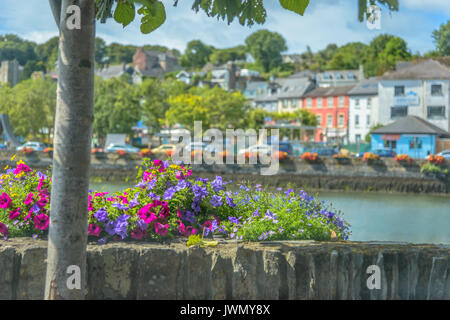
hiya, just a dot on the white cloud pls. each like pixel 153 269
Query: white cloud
pixel 324 22
pixel 437 6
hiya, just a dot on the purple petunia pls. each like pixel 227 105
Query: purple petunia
pixel 101 215
pixel 119 206
pixel 110 228
pixel 216 201
pixel 168 195
pixel 217 184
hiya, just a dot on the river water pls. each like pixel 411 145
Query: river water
pixel 381 217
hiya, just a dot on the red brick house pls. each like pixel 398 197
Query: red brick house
pixel 330 105
pixel 153 63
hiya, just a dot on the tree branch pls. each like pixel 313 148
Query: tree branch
pixel 55 5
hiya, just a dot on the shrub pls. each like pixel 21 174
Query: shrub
pixel 167 202
pixel 310 157
pixel 430 167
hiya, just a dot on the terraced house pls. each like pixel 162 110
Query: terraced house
pixel 420 89
pixel 331 106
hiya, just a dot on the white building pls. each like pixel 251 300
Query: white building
pixel 419 90
pixel 363 109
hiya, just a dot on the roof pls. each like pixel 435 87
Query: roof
pixel 412 125
pixel 365 88
pixel 329 91
pixel 255 85
pixel 339 75
pixel 112 71
pixel 429 69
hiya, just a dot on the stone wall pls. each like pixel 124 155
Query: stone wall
pixel 272 270
pixel 385 176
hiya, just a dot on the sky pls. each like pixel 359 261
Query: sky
pixel 324 22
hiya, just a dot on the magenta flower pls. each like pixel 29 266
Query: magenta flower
pixel 29 198
pixel 41 222
pixel 43 201
pixel 5 201
pixel 14 214
pixel 3 230
pixel 94 230
pixel 161 229
pixel 41 180
pixel 21 167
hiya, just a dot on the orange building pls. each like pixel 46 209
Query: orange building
pixel 331 106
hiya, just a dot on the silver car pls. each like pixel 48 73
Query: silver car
pixel 122 147
pixel 445 154
pixel 36 146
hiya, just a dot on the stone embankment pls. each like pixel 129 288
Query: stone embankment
pixel 272 270
pixel 329 174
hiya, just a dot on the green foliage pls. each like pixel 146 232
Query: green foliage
pixel 196 54
pixel 368 137
pixel 266 47
pixel 441 38
pixel 430 168
pixel 31 107
pixel 215 107
pixel 349 56
pixel 222 56
pixel 396 50
pixel 116 107
pixel 13 47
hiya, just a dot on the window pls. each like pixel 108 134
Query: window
pixel 341 120
pixel 319 102
pixel 391 144
pixel 436 112
pixel 341 101
pixel 329 121
pixel 357 103
pixel 398 112
pixel 284 103
pixel 399 91
pixel 356 120
pixel 330 102
pixel 369 102
pixel 415 144
pixel 368 120
pixel 308 103
pixel 436 90
pixel 319 120
pixel 294 103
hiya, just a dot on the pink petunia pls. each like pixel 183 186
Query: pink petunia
pixel 41 222
pixel 14 214
pixel 138 234
pixel 21 167
pixel 5 201
pixel 94 230
pixel 29 199
pixel 161 229
pixel 41 180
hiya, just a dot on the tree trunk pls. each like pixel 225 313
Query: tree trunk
pixel 71 158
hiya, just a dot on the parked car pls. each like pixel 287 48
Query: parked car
pixel 258 148
pixel 3 147
pixel 164 150
pixel 122 147
pixel 385 153
pixel 195 146
pixel 36 146
pixel 445 154
pixel 323 152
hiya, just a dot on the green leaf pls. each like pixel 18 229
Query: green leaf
pixel 297 6
pixel 154 17
pixel 125 13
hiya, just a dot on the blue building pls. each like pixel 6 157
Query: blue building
pixel 410 135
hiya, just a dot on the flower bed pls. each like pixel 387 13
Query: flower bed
pixel 437 160
pixel 167 202
pixel 370 157
pixel 310 157
pixel 403 159
pixel 145 153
